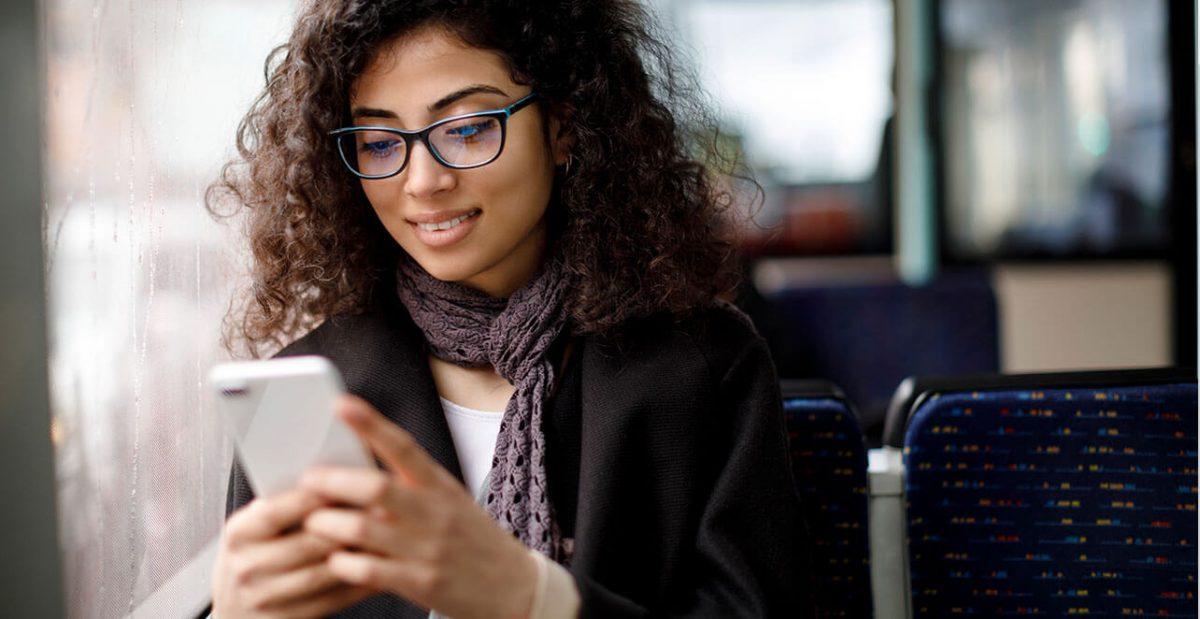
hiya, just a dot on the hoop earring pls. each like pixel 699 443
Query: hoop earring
pixel 567 165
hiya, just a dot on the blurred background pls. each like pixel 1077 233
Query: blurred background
pixel 960 185
pixel 950 186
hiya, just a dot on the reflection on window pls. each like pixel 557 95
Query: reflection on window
pixel 803 88
pixel 1056 126
pixel 142 100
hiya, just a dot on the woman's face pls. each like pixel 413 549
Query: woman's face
pixel 430 75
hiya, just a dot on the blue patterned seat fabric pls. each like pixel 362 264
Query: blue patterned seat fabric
pixel 829 462
pixel 1054 503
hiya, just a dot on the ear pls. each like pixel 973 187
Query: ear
pixel 562 140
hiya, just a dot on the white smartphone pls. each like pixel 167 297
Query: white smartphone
pixel 280 414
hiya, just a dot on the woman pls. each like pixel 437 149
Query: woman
pixel 487 210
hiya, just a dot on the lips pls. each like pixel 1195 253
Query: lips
pixel 439 217
pixel 446 228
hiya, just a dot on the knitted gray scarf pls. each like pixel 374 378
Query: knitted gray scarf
pixel 469 328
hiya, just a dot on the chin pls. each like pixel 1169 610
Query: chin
pixel 448 268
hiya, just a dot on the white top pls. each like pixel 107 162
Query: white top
pixel 474 433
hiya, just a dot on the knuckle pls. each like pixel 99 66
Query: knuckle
pixel 360 529
pixel 235 528
pixel 445 525
pixel 228 541
pixel 313 579
pixel 429 583
pixel 371 575
pixel 269 515
pixel 242 572
pixel 318 546
pixel 406 446
pixel 259 512
pixel 378 487
pixel 258 601
pixel 439 550
pixel 307 500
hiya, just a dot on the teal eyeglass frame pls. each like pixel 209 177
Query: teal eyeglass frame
pixel 422 135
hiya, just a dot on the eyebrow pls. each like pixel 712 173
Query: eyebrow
pixel 434 107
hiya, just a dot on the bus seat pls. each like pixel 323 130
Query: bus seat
pixel 829 462
pixel 1052 494
pixel 867 336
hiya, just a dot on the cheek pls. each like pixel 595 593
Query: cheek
pixel 520 202
pixel 384 198
pixel 520 186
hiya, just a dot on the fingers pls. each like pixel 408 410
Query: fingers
pixel 288 552
pixel 359 487
pixel 289 587
pixel 397 448
pixel 290 593
pixel 356 529
pixel 408 579
pixel 362 488
pixel 267 517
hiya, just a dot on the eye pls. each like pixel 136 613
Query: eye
pixel 379 148
pixel 471 132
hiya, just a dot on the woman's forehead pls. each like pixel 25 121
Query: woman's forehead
pixel 411 73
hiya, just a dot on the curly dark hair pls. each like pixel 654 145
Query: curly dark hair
pixel 643 214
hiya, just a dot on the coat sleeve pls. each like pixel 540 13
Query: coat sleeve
pixel 239 492
pixel 751 554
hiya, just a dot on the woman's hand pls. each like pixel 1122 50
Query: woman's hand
pixel 415 530
pixel 264 569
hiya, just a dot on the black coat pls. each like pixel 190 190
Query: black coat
pixel 666 461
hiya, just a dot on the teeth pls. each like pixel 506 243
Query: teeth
pixel 446 225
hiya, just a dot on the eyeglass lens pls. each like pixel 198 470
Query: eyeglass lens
pixel 461 143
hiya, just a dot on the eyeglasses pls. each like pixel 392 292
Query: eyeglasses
pixel 459 142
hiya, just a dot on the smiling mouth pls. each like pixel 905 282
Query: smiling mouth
pixel 449 223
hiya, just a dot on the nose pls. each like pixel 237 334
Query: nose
pixel 424 175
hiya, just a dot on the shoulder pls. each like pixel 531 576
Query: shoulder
pixel 346 333
pixel 726 337
pixel 718 336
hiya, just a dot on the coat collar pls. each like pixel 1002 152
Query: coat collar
pixel 389 368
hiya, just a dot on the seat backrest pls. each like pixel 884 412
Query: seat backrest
pixel 1034 498
pixel 829 463
pixel 866 337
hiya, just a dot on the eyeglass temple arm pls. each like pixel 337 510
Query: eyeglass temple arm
pixel 520 103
